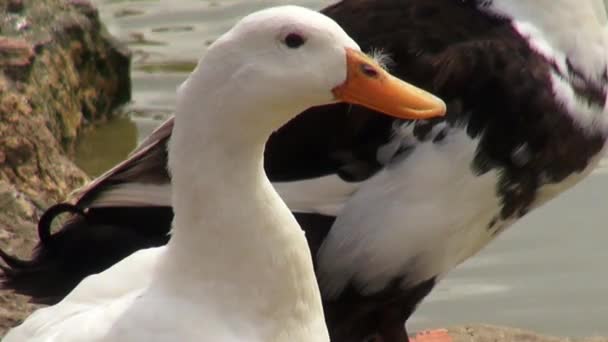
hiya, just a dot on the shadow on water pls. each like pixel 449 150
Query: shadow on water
pixel 103 146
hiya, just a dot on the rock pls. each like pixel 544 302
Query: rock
pixel 488 333
pixel 59 70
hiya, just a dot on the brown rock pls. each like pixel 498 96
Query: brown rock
pixel 489 333
pixel 59 70
pixel 15 52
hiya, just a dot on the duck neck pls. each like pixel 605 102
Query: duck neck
pixel 234 242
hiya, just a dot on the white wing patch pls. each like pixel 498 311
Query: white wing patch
pixel 88 312
pixel 589 118
pixel 325 195
pixel 134 195
pixel 566 31
pixel 572 28
pixel 419 217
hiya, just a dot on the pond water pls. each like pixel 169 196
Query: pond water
pixel 548 273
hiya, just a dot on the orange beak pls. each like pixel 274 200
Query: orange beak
pixel 368 85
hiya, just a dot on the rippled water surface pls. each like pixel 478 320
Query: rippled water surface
pixel 548 273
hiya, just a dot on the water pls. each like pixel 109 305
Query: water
pixel 548 273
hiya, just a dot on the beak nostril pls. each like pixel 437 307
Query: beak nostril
pixel 368 85
pixel 369 70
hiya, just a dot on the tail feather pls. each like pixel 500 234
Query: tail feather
pixel 87 243
pixel 12 262
pixel 46 221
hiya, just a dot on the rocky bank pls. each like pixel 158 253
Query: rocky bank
pixel 59 71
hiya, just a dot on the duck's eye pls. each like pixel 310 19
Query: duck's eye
pixel 294 40
pixel 369 71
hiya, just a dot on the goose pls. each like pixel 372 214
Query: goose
pixel 238 267
pixel 389 206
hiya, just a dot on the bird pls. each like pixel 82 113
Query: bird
pixel 389 206
pixel 238 267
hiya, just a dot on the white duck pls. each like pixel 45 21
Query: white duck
pixel 252 279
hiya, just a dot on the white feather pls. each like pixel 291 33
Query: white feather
pixel 419 218
pixel 566 31
pixel 411 218
pixel 134 195
pixel 92 305
pixel 588 116
pixel 571 27
pixel 324 195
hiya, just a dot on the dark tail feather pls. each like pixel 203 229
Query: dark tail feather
pixel 44 232
pixel 87 243
pixel 46 221
pixel 16 273
pixel 12 262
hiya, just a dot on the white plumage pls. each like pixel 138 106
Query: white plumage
pixel 253 278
